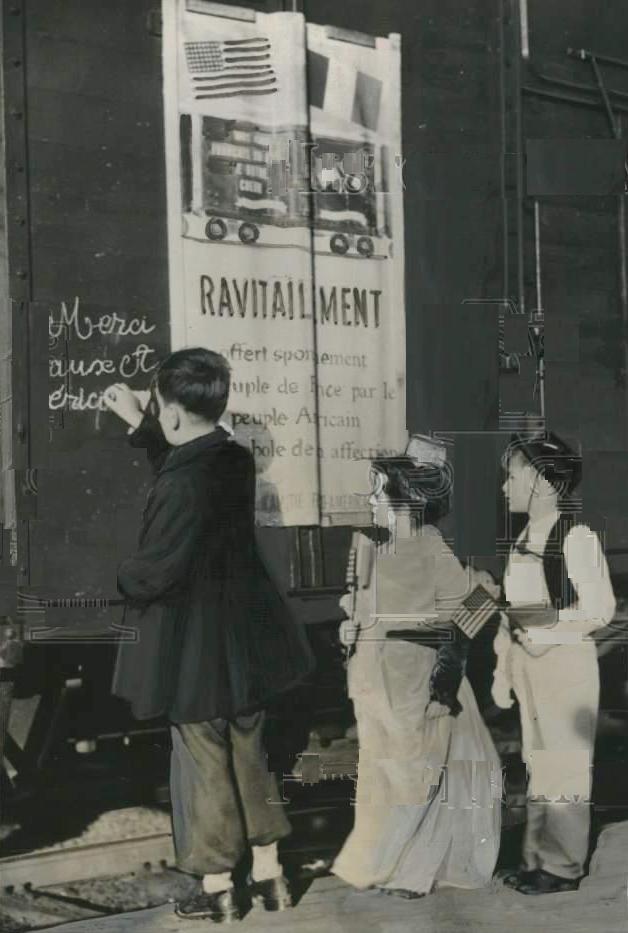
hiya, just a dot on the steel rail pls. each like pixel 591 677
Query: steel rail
pixel 97 860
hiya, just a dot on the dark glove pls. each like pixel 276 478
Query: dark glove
pixel 448 671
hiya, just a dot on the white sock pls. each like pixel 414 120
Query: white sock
pixel 212 884
pixel 266 864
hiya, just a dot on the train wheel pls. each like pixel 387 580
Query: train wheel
pixel 365 247
pixel 248 233
pixel 339 244
pixel 216 229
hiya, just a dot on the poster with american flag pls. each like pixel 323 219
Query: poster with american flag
pixel 281 253
pixel 236 123
pixel 249 70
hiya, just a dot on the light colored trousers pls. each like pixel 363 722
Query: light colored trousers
pixel 558 695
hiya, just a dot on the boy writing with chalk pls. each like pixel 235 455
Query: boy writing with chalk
pixel 215 640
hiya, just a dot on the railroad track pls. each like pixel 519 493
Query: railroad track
pixel 46 888
pixel 79 863
pixel 43 889
pixel 34 908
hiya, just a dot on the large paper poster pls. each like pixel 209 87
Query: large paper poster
pixel 354 93
pixel 284 199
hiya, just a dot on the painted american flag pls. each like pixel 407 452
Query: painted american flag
pixel 231 68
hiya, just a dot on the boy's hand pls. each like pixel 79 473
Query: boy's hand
pixel 485 579
pixel 124 403
pixel 347 633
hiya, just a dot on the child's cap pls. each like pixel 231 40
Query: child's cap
pixel 425 449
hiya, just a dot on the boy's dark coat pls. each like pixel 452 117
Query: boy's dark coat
pixel 215 638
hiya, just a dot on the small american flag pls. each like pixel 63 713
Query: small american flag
pixel 475 611
pixel 230 68
pixel 352 577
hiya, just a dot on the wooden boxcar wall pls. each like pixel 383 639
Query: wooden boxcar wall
pixel 95 210
pixel 94 165
pixel 96 214
pixel 586 338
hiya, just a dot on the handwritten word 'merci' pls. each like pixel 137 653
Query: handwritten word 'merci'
pixel 84 326
pixel 258 298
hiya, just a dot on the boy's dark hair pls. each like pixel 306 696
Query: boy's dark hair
pixel 426 487
pixel 550 456
pixel 198 380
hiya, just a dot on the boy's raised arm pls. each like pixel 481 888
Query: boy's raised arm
pixel 144 428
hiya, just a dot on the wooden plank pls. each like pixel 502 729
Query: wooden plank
pixel 113 280
pixel 444 113
pixel 576 23
pixel 134 125
pixel 429 22
pixel 589 267
pixel 85 241
pixel 118 25
pixel 101 175
pixel 140 211
pixel 466 172
pixel 551 118
pixel 571 227
pixel 588 305
pixel 85 69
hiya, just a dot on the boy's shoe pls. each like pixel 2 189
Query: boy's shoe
pixel 221 907
pixel 545 883
pixel 516 878
pixel 274 894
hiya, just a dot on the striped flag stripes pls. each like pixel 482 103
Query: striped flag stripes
pixel 231 68
pixel 475 612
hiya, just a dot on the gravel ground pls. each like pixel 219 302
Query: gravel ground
pixel 127 823
pixel 130 892
pixel 94 898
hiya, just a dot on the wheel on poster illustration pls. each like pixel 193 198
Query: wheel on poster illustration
pixel 216 229
pixel 339 244
pixel 365 246
pixel 248 233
